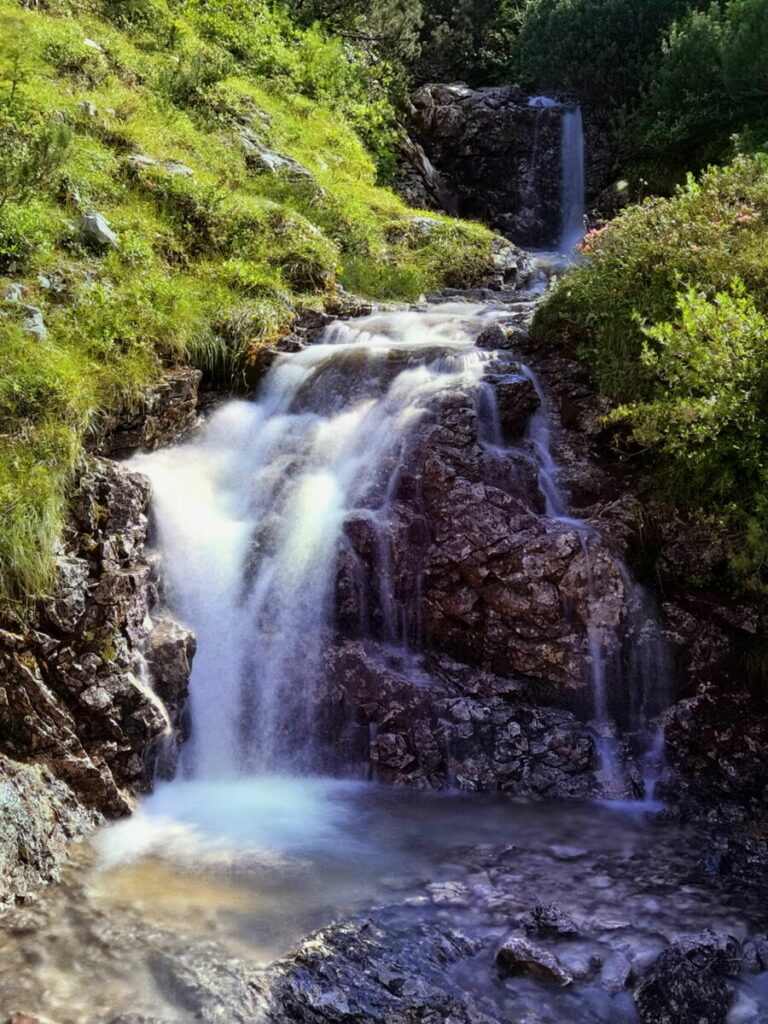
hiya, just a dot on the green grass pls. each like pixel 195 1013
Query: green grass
pixel 210 266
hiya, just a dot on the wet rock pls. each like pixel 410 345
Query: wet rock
pixel 517 956
pixel 686 983
pixel 166 415
pixel 355 973
pixel 550 921
pixel 516 402
pixel 493 337
pixel 73 705
pixel 39 817
pixel 435 722
pixel 95 231
pixel 616 972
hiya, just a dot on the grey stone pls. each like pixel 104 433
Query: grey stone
pixel 34 322
pixel 517 956
pixel 96 231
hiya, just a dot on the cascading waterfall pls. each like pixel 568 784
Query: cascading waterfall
pixel 572 182
pixel 250 521
pixel 639 653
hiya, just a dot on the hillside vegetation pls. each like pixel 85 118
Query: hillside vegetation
pixel 669 310
pixel 225 150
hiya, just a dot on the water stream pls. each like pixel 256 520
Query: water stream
pixel 247 846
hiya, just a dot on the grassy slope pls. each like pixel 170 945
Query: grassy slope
pixel 209 266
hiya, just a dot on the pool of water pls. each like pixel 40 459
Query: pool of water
pixel 260 863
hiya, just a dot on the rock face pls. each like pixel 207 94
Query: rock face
pixel 166 416
pixel 432 723
pixel 77 708
pixel 477 571
pixel 498 157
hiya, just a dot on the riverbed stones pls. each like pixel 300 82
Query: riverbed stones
pixel 518 956
pixel 686 984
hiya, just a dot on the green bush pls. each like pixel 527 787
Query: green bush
pixel 669 310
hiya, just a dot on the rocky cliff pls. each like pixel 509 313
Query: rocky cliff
pixel 93 677
pixel 490 154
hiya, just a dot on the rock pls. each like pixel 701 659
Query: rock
pixel 177 169
pixel 76 717
pixel 88 108
pixel 550 921
pixel 166 415
pixel 262 159
pixel 493 337
pixel 517 956
pixel 34 323
pixel 95 231
pixel 481 142
pixel 39 817
pixel 516 401
pixel 686 983
pixel 616 972
pixel 92 45
pixel 441 723
pixel 356 973
pixel 14 293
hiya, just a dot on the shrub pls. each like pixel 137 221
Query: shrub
pixel 668 310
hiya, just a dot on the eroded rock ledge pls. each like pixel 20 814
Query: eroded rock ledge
pixel 93 681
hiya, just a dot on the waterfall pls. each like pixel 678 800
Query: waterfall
pixel 572 181
pixel 639 652
pixel 250 519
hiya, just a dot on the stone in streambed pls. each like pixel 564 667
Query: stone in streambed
pixel 686 983
pixel 493 338
pixel 519 956
pixel 550 921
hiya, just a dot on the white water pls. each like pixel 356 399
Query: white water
pixel 572 187
pixel 250 520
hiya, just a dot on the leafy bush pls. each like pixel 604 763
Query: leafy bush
pixel 669 310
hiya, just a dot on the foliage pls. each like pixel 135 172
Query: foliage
pixel 596 49
pixel 144 110
pixel 670 311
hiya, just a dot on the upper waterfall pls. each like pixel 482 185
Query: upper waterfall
pixel 573 188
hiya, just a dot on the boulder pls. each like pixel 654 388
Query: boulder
pixel 550 921
pixel 686 984
pixel 95 231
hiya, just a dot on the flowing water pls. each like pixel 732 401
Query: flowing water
pixel 246 846
pixel 573 189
